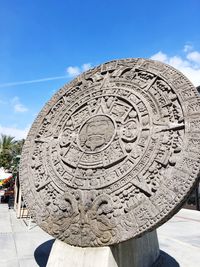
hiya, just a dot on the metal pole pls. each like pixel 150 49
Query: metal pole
pixel 29 222
pixel 19 203
pixel 197 196
pixel 15 193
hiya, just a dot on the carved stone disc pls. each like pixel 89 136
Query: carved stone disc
pixel 113 154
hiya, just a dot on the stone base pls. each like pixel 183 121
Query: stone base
pixel 140 252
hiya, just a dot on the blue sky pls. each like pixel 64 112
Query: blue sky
pixel 44 44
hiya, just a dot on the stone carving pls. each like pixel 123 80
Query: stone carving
pixel 113 154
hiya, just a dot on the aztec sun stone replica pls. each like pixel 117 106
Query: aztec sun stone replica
pixel 113 154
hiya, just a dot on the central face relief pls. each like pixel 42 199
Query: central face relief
pixel 96 133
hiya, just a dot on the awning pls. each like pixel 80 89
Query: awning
pixel 4 175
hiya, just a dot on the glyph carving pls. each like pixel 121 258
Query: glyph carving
pixel 113 153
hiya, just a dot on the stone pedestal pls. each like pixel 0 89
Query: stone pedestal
pixel 140 252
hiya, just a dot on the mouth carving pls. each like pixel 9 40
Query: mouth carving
pixel 95 141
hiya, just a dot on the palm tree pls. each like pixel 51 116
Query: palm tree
pixel 7 144
pixel 16 151
pixel 17 147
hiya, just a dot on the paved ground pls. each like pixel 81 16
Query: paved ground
pixel 18 245
pixel 180 238
pixel 23 247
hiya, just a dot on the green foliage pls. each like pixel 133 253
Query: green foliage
pixel 10 149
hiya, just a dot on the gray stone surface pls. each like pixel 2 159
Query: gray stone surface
pixel 113 154
pixel 20 247
pixel 139 252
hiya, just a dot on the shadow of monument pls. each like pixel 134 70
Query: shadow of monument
pixel 165 260
pixel 42 252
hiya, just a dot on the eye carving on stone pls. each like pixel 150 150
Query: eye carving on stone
pixel 129 131
pixel 66 137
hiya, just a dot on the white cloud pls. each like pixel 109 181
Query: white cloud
pixel 73 71
pixel 187 48
pixel 15 132
pixel 188 64
pixel 86 66
pixel 18 107
pixel 160 56
pixel 194 56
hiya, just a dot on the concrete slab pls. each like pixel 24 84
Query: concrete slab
pixel 27 262
pixel 130 253
pixel 17 224
pixel 5 224
pixel 9 263
pixel 27 242
pixel 180 237
pixel 20 247
pixel 7 247
pixel 17 243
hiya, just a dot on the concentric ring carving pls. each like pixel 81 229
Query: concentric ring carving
pixel 113 154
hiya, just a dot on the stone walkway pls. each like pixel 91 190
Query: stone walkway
pixel 180 238
pixel 21 247
pixel 18 245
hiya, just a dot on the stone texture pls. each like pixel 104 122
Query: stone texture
pixel 127 254
pixel 113 154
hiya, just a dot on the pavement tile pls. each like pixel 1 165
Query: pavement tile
pixel 7 246
pixel 29 262
pixel 5 224
pixel 180 238
pixel 185 254
pixel 11 263
pixel 27 242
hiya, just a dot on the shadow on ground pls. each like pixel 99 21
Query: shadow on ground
pixel 42 252
pixel 165 260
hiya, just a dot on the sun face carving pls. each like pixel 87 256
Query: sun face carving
pixel 104 137
pixel 96 133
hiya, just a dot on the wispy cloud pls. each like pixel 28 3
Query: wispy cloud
pixel 194 56
pixel 33 81
pixel 20 108
pixel 17 105
pixel 73 71
pixel 188 64
pixel 15 132
pixel 86 66
pixel 187 48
